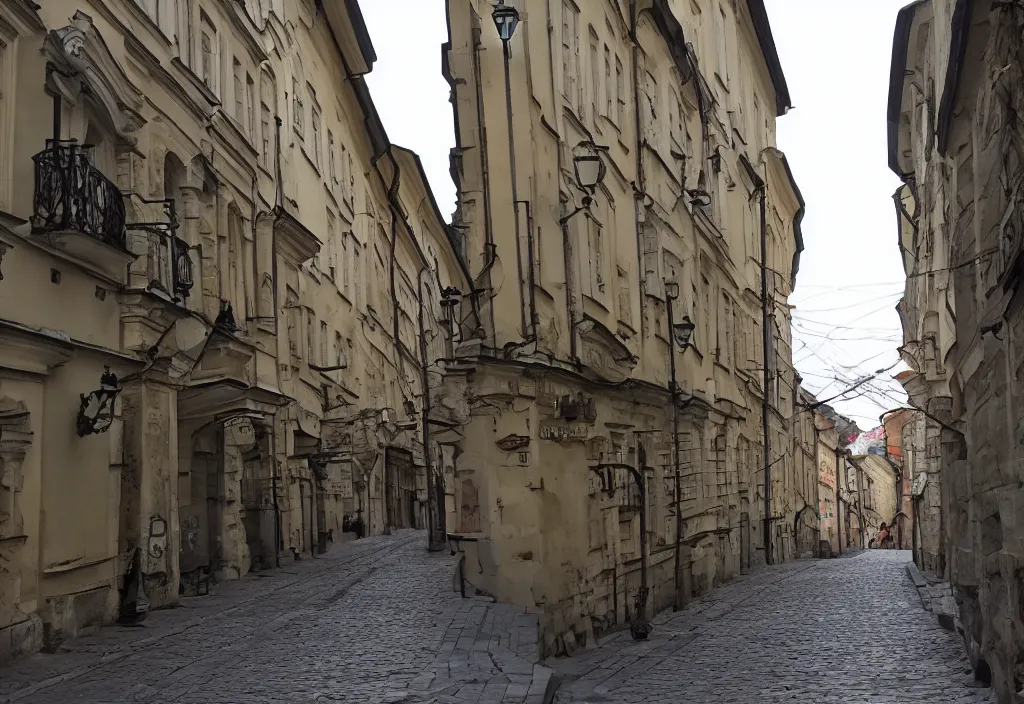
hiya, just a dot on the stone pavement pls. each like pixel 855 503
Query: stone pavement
pixel 850 631
pixel 377 620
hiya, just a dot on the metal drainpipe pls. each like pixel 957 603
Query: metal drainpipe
pixel 765 345
pixel 674 391
pixel 639 186
pixel 839 523
pixel 435 505
pixel 273 488
pixel 490 250
pixel 506 54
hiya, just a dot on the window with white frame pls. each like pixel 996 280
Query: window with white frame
pixel 332 159
pixel 571 83
pixel 250 107
pixel 298 110
pixel 7 74
pixel 620 93
pixel 237 89
pixel 609 85
pixel 315 111
pixel 595 77
pixel 208 52
pixel 267 125
pixel 345 276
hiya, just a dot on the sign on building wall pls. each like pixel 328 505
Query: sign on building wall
pixel 564 432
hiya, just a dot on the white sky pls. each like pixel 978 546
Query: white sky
pixel 835 54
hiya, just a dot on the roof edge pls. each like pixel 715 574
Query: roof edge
pixel 763 30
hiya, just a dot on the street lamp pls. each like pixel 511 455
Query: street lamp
pixel 506 19
pixel 590 171
pixel 96 412
pixel 683 332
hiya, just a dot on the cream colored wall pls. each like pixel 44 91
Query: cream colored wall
pixel 73 493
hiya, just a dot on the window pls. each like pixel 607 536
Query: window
pixel 722 42
pixel 250 106
pixel 298 110
pixel 620 93
pixel 236 87
pixel 339 350
pixel 571 87
pixel 596 243
pixel 6 115
pixel 351 181
pixel 323 344
pixel 316 126
pixel 609 87
pixel 310 335
pixel 331 159
pixel 356 264
pixel 344 263
pixel 208 52
pixel 595 78
pixel 724 351
pixel 267 124
pixel 331 243
pixel 344 172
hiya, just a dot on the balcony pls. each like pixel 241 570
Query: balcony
pixel 77 210
pixel 164 265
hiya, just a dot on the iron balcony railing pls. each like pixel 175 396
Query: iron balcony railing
pixel 167 262
pixel 72 195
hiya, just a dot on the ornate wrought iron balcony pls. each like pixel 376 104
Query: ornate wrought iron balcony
pixel 164 257
pixel 72 195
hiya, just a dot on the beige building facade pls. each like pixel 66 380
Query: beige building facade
pixel 591 483
pixel 198 198
pixel 955 101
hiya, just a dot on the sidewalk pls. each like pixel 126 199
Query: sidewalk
pixel 377 620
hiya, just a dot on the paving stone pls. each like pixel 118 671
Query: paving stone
pixel 372 621
pixel 850 630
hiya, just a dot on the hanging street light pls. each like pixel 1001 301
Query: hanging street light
pixel 589 166
pixel 683 332
pixel 590 171
pixel 96 413
pixel 506 19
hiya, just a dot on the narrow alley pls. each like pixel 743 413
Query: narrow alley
pixel 380 620
pixel 846 630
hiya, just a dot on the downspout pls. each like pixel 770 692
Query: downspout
pixel 860 502
pixel 506 54
pixel 393 207
pixel 765 350
pixel 489 247
pixel 840 459
pixel 279 207
pixel 273 488
pixel 639 186
pixel 570 283
pixel 674 392
pixel 435 508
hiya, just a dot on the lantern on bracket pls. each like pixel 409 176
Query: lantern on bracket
pixel 506 19
pixel 96 412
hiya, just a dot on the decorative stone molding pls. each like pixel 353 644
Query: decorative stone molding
pixel 15 439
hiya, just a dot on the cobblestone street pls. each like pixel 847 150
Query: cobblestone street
pixel 847 630
pixel 378 620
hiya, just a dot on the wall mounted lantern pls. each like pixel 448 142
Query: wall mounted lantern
pixel 590 171
pixel 506 19
pixel 671 290
pixel 590 168
pixel 699 197
pixel 97 410
pixel 683 332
